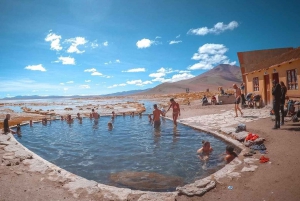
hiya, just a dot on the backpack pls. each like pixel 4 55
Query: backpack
pixel 298 113
pixel 295 118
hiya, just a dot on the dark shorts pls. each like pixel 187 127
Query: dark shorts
pixel 156 124
pixel 237 101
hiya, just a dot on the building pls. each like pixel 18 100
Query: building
pixel 259 68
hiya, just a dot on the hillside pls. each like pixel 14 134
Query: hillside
pixel 222 75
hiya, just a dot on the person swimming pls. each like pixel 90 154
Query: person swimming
pixel 205 150
pixel 110 125
pixel 230 154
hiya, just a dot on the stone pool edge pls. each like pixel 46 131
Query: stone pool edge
pixel 78 185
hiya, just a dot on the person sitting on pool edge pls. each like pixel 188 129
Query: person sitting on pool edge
pixel 156 116
pixel 230 154
pixel 113 114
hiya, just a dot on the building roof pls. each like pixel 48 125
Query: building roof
pixel 286 57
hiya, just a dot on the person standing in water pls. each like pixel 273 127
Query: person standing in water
pixel 176 110
pixel 95 114
pixel 156 116
pixel 237 100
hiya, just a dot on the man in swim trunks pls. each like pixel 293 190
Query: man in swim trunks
pixel 156 116
pixel 238 94
pixel 95 115
pixel 176 110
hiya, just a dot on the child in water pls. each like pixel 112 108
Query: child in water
pixel 110 125
pixel 230 154
pixel 18 130
pixel 150 118
pixel 205 150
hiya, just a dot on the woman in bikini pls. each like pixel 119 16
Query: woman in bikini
pixel 176 110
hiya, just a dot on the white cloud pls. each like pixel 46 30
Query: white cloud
pixel 35 67
pixel 90 70
pixel 138 82
pixel 157 37
pixel 84 86
pixel 65 89
pixel 118 61
pixel 166 70
pixel 157 75
pixel 55 41
pixel 160 74
pixel 87 80
pixel 117 85
pixel 218 28
pixel 97 73
pixel 184 71
pixel 94 44
pixel 135 70
pixel 175 42
pixel 178 36
pixel 106 63
pixel 74 43
pixel 182 76
pixel 70 82
pixel 62 83
pixel 144 43
pixel 66 60
pixel 105 43
pixel 94 72
pixel 210 55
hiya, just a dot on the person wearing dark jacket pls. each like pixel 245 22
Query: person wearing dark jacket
pixel 6 128
pixel 282 100
pixel 276 92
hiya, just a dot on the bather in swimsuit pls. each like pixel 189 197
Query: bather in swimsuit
pixel 156 124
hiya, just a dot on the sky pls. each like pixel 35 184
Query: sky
pixel 95 47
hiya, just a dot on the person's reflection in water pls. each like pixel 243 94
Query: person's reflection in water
pixel 95 125
pixel 157 135
pixel 175 135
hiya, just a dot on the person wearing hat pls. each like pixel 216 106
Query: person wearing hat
pixel 276 92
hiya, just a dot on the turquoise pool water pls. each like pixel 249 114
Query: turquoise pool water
pixel 128 155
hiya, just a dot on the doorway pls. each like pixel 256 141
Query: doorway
pixel 267 89
pixel 275 77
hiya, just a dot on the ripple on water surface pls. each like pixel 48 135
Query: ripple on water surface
pixel 132 155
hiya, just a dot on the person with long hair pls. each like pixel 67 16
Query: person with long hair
pixel 176 110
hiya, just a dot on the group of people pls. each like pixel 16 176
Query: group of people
pixel 7 129
pixel 206 150
pixel 279 96
pixel 157 113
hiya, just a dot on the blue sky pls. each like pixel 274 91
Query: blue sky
pixel 92 47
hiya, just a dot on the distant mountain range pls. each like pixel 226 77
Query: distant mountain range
pixel 222 75
pixel 123 93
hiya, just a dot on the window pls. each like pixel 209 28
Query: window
pixel 292 82
pixel 255 84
